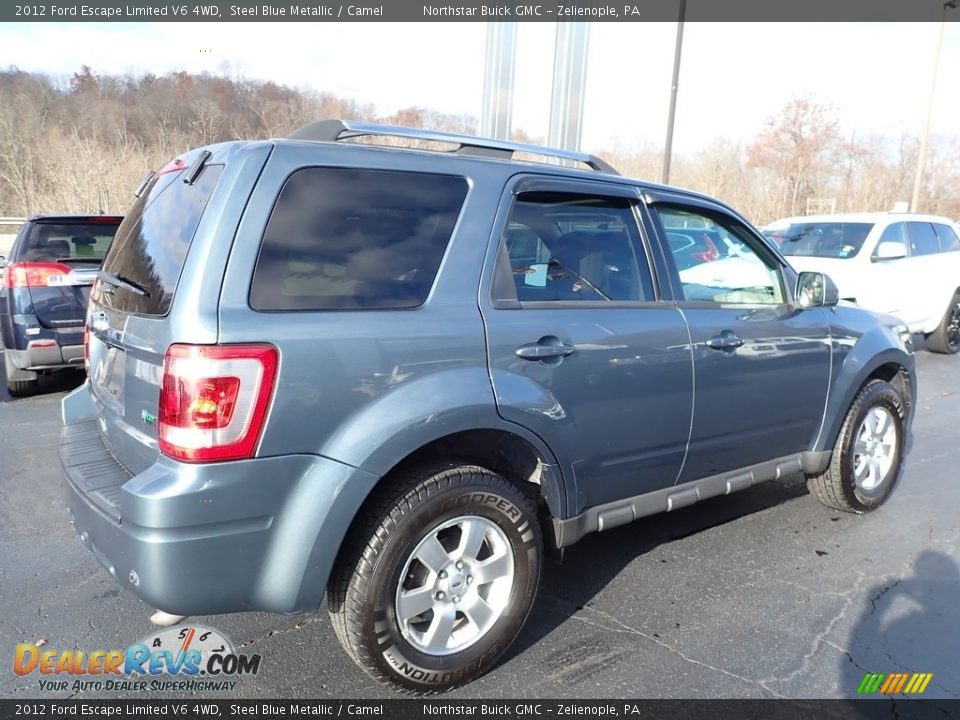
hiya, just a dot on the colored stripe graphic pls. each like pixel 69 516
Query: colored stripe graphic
pixel 890 682
pixel 906 683
pixel 870 683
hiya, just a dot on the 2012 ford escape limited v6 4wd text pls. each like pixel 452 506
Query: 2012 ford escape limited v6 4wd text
pixel 395 377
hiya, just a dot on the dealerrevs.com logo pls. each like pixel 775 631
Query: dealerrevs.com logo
pixel 186 658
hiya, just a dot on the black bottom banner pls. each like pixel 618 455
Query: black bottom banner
pixel 408 709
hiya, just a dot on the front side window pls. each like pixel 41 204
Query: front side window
pixel 348 239
pixel 923 241
pixel 574 247
pixel 896 233
pixel 730 271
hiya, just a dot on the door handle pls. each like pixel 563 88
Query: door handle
pixel 543 351
pixel 725 341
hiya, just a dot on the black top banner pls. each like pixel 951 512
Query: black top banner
pixel 467 11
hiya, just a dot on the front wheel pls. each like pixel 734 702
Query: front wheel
pixel 946 338
pixel 868 454
pixel 438 581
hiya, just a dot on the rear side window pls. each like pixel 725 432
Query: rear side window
pixel 572 247
pixel 947 237
pixel 67 241
pixel 347 239
pixel 151 244
pixel 922 239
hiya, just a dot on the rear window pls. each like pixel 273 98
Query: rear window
pixel 949 241
pixel 151 245
pixel 341 239
pixel 67 241
pixel 827 240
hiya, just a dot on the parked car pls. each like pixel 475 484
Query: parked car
pixel 47 277
pixel 398 377
pixel 906 265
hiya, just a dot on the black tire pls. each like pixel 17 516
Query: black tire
pixel 21 388
pixel 837 487
pixel 363 589
pixel 17 388
pixel 946 338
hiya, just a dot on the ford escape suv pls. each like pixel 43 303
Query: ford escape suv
pixel 43 301
pixel 395 377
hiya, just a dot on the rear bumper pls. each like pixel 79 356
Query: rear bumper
pixel 40 355
pixel 30 348
pixel 194 539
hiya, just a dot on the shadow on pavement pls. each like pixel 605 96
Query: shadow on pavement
pixel 590 565
pixel 909 626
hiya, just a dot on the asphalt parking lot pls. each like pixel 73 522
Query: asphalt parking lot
pixel 760 594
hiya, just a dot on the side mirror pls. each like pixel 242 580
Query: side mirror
pixel 890 250
pixel 3 261
pixel 816 289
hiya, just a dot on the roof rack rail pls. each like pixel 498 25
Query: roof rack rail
pixel 333 130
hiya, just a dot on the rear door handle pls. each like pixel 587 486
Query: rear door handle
pixel 543 351
pixel 726 340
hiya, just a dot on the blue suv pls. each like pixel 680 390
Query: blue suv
pixel 396 377
pixel 47 277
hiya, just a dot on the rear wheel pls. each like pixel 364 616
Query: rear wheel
pixel 438 581
pixel 18 388
pixel 868 455
pixel 946 338
pixel 22 388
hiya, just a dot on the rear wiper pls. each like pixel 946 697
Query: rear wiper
pixel 121 281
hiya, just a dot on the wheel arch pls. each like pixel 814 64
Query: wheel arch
pixel 514 453
pixel 893 366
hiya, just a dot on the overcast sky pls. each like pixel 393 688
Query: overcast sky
pixel 733 75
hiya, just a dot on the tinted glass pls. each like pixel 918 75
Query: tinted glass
pixel 151 244
pixel 923 241
pixel 66 242
pixel 895 233
pixel 827 239
pixel 947 237
pixel 565 246
pixel 343 239
pixel 731 271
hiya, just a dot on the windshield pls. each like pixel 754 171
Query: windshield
pixel 825 239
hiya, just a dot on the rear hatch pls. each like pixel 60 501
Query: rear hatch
pixel 58 259
pixel 130 323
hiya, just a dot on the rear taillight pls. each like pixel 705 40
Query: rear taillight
pixel 35 274
pixel 214 400
pixel 711 253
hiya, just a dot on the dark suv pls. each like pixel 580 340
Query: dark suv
pixel 52 264
pixel 395 377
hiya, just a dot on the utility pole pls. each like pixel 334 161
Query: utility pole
pixel 668 150
pixel 925 132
